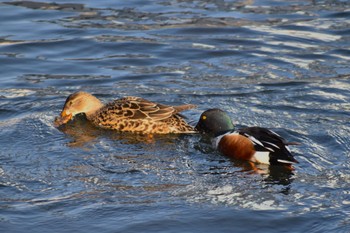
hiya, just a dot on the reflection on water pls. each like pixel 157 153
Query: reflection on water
pixel 283 65
pixel 83 133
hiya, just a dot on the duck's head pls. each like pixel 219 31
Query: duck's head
pixel 79 102
pixel 215 122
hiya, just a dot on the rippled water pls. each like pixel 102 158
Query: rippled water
pixel 278 64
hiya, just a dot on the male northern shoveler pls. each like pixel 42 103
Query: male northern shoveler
pixel 254 144
pixel 130 114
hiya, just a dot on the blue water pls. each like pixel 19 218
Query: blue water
pixel 284 65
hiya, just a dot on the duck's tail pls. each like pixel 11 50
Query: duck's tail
pixel 292 143
pixel 184 107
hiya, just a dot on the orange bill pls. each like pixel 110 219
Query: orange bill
pixel 63 119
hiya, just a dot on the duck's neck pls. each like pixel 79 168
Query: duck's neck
pixel 223 132
pixel 94 106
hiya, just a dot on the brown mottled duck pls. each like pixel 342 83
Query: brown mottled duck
pixel 128 114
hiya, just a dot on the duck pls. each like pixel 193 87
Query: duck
pixel 127 114
pixel 255 144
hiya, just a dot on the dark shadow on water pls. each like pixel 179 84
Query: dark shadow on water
pixel 280 175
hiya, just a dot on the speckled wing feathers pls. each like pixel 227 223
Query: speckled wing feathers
pixel 154 111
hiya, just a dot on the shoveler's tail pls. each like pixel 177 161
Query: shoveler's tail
pixel 292 143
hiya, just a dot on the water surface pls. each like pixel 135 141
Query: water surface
pixel 277 64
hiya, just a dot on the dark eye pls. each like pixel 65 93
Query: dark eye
pixel 70 102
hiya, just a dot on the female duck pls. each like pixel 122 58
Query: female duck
pixel 255 144
pixel 130 114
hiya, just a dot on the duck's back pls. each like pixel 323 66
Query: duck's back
pixel 134 114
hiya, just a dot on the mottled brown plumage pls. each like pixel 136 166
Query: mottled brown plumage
pixel 131 114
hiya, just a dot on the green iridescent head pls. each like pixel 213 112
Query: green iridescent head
pixel 215 122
